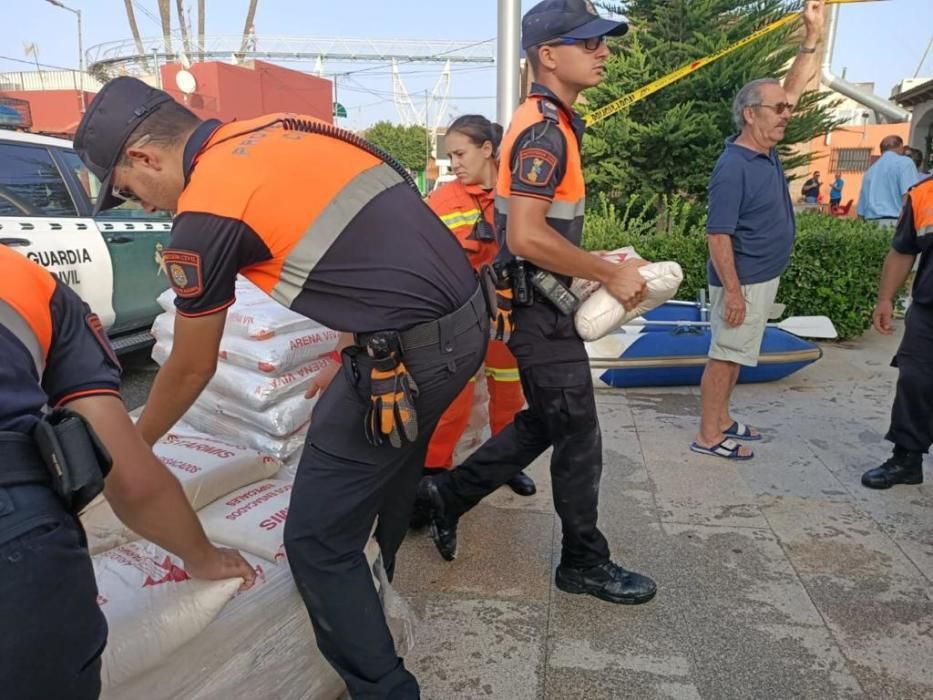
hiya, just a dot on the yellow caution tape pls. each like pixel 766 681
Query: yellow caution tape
pixel 686 69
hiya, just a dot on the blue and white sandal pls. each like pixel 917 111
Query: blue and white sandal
pixel 727 449
pixel 741 431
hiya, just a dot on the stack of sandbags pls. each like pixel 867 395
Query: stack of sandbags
pixel 268 356
pixel 206 467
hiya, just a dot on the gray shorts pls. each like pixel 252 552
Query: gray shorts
pixel 741 344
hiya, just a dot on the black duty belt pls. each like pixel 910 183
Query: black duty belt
pixel 21 459
pixel 437 332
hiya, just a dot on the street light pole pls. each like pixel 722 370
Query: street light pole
pixel 80 48
pixel 507 59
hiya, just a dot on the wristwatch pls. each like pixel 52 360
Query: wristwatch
pixel 804 49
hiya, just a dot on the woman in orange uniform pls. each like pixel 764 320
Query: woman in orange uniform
pixel 466 205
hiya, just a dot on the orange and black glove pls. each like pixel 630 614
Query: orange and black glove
pixel 391 413
pixel 502 326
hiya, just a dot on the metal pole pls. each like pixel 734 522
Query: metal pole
pixel 81 61
pixel 507 59
pixel 158 71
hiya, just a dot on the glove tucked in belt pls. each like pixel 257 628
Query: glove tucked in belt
pixel 391 413
pixel 502 326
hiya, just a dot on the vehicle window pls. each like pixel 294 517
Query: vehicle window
pixel 31 184
pixel 91 185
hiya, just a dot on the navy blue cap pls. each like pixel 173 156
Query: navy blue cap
pixel 574 19
pixel 121 105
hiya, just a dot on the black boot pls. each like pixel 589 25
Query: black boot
pixel 902 467
pixel 522 484
pixel 420 512
pixel 443 529
pixel 609 582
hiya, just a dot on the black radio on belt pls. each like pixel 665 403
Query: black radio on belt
pixel 555 291
pixel 522 294
pixel 526 279
pixel 76 460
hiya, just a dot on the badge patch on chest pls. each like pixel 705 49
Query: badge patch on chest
pixel 184 271
pixel 536 167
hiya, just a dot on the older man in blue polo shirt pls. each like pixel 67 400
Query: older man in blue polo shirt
pixel 751 232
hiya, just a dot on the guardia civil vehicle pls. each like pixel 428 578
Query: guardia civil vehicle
pixel 113 260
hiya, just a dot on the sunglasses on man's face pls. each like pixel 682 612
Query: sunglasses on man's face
pixel 589 44
pixel 779 108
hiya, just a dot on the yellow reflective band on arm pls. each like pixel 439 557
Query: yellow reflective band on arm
pixel 502 375
pixel 457 219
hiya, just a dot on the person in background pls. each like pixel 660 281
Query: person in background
pixel 835 191
pixel 885 184
pixel 916 156
pixel 467 206
pixel 811 189
pixel 751 232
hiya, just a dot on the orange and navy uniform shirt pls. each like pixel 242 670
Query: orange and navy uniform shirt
pixel 322 226
pixel 540 157
pixel 54 349
pixel 914 236
pixel 461 207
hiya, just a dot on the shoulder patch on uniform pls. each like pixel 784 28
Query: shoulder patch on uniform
pixel 184 271
pixel 536 166
pixel 549 110
pixel 97 329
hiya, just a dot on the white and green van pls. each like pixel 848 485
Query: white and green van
pixel 113 260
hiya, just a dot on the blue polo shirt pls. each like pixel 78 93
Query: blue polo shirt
pixel 749 200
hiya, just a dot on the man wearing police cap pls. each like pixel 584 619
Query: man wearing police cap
pixel 539 207
pixel 334 229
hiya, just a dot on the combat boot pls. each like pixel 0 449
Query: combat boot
pixel 522 484
pixel 608 581
pixel 902 467
pixel 443 528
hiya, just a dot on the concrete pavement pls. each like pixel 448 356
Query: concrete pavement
pixel 781 577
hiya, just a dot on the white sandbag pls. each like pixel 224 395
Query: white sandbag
pixel 152 607
pixel 255 390
pixel 232 428
pixel 279 419
pixel 206 467
pixel 602 313
pixel 584 289
pixel 275 355
pixel 251 519
pixel 254 314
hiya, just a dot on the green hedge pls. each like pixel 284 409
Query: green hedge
pixel 834 269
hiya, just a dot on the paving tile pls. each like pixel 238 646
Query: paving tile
pixel 697 489
pixel 875 601
pixel 470 648
pixel 501 554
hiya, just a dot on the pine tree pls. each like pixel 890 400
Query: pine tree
pixel 668 143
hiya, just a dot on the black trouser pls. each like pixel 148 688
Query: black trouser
pixel 342 484
pixel 912 412
pixel 52 632
pixel 558 386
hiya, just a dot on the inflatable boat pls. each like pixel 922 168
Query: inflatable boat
pixel 657 351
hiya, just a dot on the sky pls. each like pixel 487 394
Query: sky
pixel 880 42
